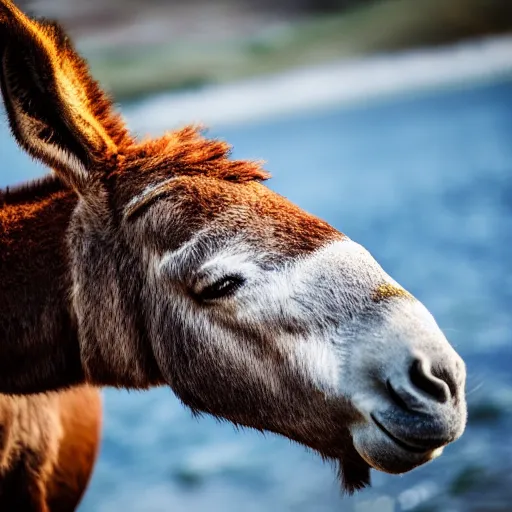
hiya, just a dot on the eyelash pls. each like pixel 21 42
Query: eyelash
pixel 222 288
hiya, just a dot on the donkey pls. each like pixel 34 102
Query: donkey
pixel 181 268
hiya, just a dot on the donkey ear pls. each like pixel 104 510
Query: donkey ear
pixel 56 111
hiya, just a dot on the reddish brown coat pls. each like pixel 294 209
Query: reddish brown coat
pixel 48 448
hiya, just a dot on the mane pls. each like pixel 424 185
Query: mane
pixel 184 152
pixel 187 152
pixel 31 191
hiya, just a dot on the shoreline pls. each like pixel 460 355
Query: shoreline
pixel 346 82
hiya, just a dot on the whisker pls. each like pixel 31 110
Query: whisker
pixel 475 388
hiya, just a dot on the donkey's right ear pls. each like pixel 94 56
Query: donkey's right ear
pixel 56 111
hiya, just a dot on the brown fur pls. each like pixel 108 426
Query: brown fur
pixel 80 415
pixel 50 442
pixel 33 267
pixel 48 445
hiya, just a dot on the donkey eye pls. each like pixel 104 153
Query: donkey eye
pixel 222 288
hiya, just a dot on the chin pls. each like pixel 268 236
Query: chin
pixel 384 453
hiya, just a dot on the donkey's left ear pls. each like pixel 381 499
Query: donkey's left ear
pixel 56 111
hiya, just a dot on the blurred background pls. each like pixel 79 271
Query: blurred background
pixel 392 120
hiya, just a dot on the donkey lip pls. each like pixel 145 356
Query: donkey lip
pixel 402 444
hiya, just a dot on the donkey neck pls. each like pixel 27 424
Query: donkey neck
pixel 39 349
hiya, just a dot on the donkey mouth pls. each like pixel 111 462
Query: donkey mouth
pixel 405 445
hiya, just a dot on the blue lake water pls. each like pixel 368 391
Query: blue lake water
pixel 425 183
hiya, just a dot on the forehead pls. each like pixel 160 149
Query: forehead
pixel 222 210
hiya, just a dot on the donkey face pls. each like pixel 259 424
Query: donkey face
pixel 265 315
pixel 188 271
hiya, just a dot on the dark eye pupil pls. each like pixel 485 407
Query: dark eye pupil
pixel 222 288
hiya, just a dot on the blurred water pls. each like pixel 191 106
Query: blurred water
pixel 425 183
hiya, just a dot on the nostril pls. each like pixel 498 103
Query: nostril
pixel 424 380
pixel 448 377
pixel 396 397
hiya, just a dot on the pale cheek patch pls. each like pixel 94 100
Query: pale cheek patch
pixel 317 360
pixel 332 282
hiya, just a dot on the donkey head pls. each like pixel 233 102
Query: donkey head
pixel 188 271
